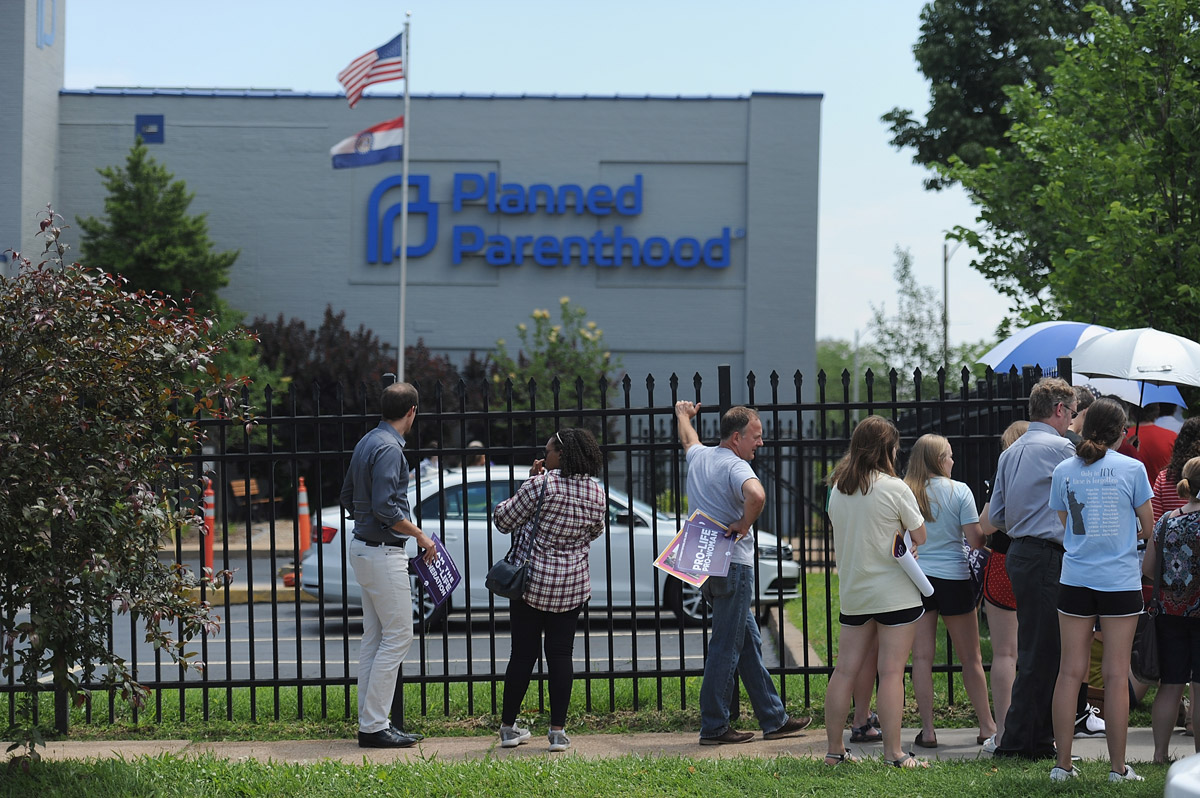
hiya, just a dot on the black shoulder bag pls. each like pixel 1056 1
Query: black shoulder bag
pixel 507 577
pixel 1143 659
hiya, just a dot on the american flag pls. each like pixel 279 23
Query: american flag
pixel 376 66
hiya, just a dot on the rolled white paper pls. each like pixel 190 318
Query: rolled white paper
pixel 902 551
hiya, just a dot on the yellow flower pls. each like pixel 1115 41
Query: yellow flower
pixel 607 355
pixel 591 325
pixel 564 300
pixel 495 378
pixel 522 327
pixel 499 342
pixel 556 328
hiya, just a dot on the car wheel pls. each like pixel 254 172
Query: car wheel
pixel 686 601
pixel 426 616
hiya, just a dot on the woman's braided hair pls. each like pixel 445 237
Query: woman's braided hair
pixel 579 454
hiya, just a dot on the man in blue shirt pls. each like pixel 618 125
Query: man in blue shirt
pixel 376 492
pixel 1020 505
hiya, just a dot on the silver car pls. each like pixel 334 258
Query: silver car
pixel 458 508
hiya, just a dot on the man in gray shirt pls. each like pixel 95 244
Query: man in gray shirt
pixel 376 492
pixel 1020 505
pixel 722 485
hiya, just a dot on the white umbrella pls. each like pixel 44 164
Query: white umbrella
pixel 1133 391
pixel 1143 354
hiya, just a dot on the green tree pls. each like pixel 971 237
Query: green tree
pixel 1112 157
pixel 838 357
pixel 149 238
pixel 970 50
pixel 911 339
pixel 92 424
pixel 571 350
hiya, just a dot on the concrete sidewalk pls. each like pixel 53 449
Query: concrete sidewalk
pixel 953 744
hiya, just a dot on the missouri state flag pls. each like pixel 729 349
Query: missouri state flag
pixel 383 142
pixel 374 66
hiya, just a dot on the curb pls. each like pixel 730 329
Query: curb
pixel 246 595
pixel 794 650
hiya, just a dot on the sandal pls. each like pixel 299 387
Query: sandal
pixel 845 756
pixel 923 743
pixel 865 733
pixel 909 761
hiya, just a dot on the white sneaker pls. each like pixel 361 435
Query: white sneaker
pixel 512 736
pixel 1128 775
pixel 990 745
pixel 559 741
pixel 1060 774
pixel 1089 724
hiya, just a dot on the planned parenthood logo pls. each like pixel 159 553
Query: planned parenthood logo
pixel 610 206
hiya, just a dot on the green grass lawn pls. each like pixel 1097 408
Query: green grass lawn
pixel 555 777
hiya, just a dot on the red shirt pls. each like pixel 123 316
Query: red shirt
pixel 1155 445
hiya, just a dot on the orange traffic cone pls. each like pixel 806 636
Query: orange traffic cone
pixel 210 522
pixel 303 523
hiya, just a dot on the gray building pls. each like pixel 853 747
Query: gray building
pixel 687 227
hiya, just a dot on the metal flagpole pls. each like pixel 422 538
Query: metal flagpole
pixel 404 207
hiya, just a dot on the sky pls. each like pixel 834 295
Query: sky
pixel 858 55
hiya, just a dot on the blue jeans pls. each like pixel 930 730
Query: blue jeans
pixel 735 647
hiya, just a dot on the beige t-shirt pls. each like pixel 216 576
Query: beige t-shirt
pixel 870 579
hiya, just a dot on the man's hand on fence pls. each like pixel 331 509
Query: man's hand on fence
pixel 686 409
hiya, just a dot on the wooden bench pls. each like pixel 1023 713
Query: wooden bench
pixel 247 494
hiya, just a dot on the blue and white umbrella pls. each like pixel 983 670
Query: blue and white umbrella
pixel 1041 344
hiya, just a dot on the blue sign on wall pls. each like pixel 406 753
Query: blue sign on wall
pixel 604 248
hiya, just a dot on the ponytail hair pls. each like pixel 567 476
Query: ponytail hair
pixel 1103 428
pixel 1188 486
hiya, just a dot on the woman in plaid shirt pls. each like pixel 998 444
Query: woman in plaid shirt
pixel 559 583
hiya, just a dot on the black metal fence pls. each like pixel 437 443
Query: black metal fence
pixel 291 644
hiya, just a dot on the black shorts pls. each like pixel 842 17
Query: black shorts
pixel 893 618
pixel 1178 648
pixel 950 596
pixel 1084 602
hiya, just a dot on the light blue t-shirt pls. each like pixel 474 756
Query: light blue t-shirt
pixel 714 486
pixel 953 507
pixel 1101 534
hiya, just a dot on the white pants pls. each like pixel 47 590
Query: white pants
pixel 382 573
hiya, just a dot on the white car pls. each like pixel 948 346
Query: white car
pixel 459 511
